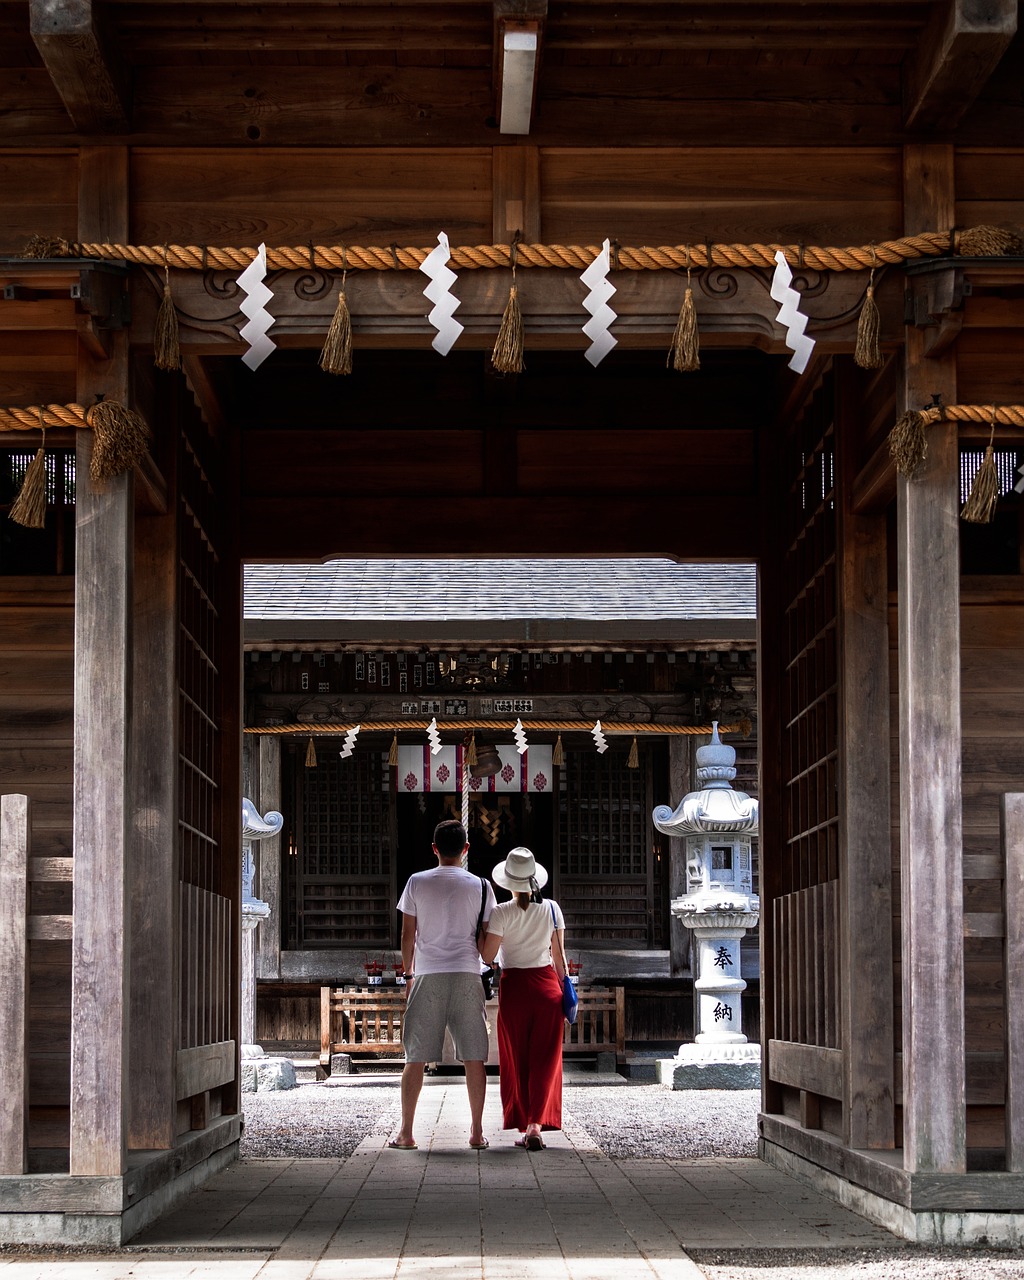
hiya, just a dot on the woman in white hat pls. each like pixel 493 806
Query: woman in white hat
pixel 528 937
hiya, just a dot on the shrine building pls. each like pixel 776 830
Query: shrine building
pixel 681 285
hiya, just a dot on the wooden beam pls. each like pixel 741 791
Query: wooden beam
pixel 515 185
pixel 1012 823
pixel 865 852
pixel 276 529
pixel 102 760
pixel 957 54
pixel 930 802
pixel 91 81
pixel 518 32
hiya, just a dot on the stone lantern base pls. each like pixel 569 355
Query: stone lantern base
pixel 712 1066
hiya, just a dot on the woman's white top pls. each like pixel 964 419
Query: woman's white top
pixel 525 935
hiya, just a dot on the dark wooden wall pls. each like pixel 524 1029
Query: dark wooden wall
pixel 36 716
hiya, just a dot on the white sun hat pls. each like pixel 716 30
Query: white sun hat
pixel 517 871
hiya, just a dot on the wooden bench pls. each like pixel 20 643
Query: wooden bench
pixel 358 1021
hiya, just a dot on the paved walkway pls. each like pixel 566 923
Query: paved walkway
pixel 446 1212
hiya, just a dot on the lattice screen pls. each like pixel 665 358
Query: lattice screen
pixel 603 823
pixel 198 678
pixel 345 816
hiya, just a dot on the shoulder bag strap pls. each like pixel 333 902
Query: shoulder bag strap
pixel 554 930
pixel 483 903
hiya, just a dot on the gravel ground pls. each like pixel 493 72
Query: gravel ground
pixel 637 1121
pixel 901 1263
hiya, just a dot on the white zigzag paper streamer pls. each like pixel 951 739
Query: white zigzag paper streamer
pixel 255 307
pixel 350 742
pixel 600 741
pixel 441 280
pixel 1019 486
pixel 434 735
pixel 790 314
pixel 596 302
pixel 519 733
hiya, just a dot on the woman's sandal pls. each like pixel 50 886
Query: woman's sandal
pixel 534 1142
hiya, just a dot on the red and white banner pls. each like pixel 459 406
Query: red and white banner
pixel 418 770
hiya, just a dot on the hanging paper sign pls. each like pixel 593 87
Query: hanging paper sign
pixel 600 741
pixel 596 302
pixel 438 292
pixel 790 314
pixel 254 306
pixel 419 771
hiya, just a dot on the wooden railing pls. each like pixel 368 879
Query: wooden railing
pixel 805 979
pixel 370 1022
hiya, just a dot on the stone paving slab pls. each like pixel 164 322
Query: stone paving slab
pixel 446 1212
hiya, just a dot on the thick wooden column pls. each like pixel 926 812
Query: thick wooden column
pixel 865 846
pixel 931 843
pixel 154 867
pixel 102 784
pixel 267 751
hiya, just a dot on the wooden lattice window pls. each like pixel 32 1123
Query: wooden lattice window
pixel 339 875
pixel 603 815
pixel 198 680
pixel 612 887
pixel 810 728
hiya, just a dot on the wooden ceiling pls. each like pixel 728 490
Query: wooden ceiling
pixel 715 72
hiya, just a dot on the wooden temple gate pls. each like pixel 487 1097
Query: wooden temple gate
pixel 892 677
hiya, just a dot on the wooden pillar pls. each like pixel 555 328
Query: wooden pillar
pixel 931 843
pixel 15 834
pixel 267 751
pixel 154 997
pixel 865 846
pixel 679 758
pixel 103 602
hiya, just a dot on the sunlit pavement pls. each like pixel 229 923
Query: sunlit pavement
pixel 449 1212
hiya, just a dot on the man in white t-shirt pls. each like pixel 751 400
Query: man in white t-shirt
pixel 440 910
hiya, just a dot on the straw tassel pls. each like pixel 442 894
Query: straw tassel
pixel 907 444
pixel 393 753
pixel 867 353
pixel 558 755
pixel 980 507
pixel 336 356
pixel 989 242
pixel 311 755
pixel 684 353
pixel 634 757
pixel 471 751
pixel 121 438
pixel 29 508
pixel 507 356
pixel 166 350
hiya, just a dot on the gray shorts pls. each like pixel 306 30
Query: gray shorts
pixel 439 1000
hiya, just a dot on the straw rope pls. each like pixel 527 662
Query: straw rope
pixel 1007 415
pixel 49 415
pixel 743 727
pixel 394 258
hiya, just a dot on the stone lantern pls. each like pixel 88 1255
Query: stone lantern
pixel 717 824
pixel 259 1071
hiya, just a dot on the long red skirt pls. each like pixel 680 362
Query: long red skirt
pixel 530 1024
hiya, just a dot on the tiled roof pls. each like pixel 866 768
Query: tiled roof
pixel 437 590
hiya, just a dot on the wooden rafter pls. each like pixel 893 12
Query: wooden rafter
pixel 961 46
pixel 518 33
pixel 90 79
